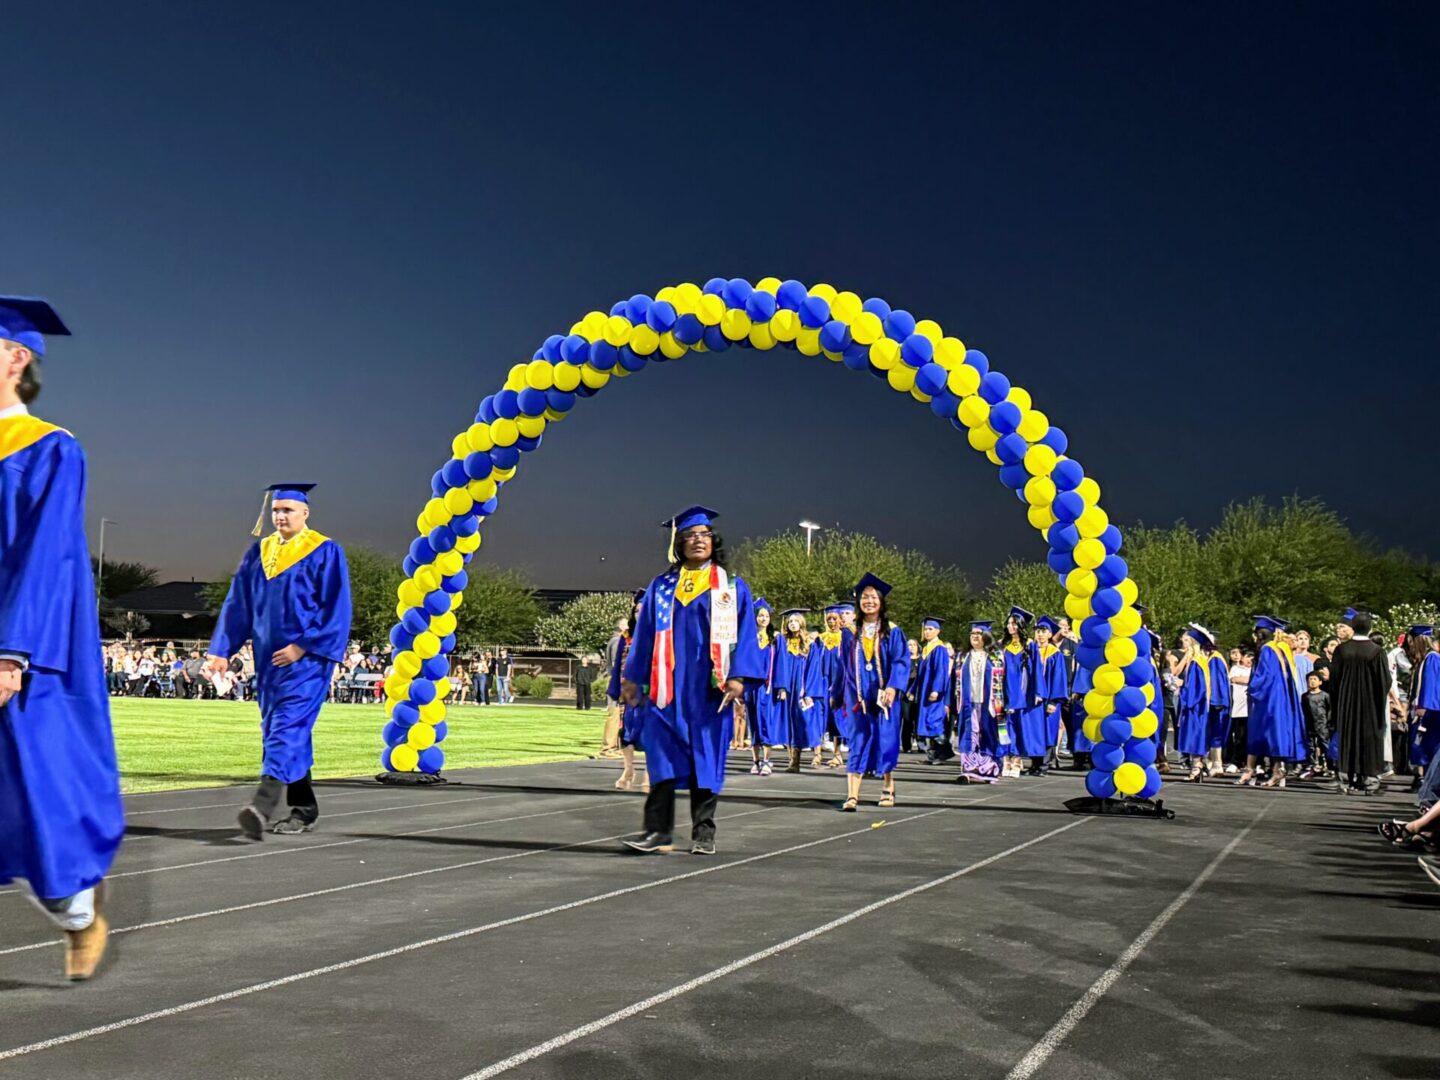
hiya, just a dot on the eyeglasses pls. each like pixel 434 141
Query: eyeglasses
pixel 699 534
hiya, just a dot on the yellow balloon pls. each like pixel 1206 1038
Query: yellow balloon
pixel 426 646
pixel 644 341
pixel 920 395
pixel 404 758
pixel 1040 517
pixel 885 354
pixel 427 578
pixel 1092 522
pixel 531 426
pixel 1129 592
pixel 1089 553
pixel 1019 397
pixel 442 687
pixel 735 325
pixel 1109 679
pixel 1145 725
pixel 1040 491
pixel 687 295
pixel 540 374
pixel 443 626
pixel 432 713
pixel 994 457
pixel 501 475
pixel 1081 583
pixel 901 377
pixel 435 513
pixel 466 544
pixel 807 341
pixel 963 380
pixel 1088 490
pixel 1091 727
pixel 982 438
pixel 459 448
pixel 396 689
pixel 674 349
pixel 1077 607
pixel 765 284
pixel 1040 460
pixel 950 354
pixel 452 562
pixel 825 292
pixel 410 594
pixel 456 599
pixel 1125 622
pixel 567 376
pixel 1120 651
pixel 973 411
pixel 710 309
pixel 1098 705
pixel 516 379
pixel 866 328
pixel 477 438
pixel 407 664
pixel 618 330
pixel 1129 778
pixel 481 490
pixel 1033 425
pixel 1148 690
pixel 592 327
pixel 929 328
pixel 785 325
pixel 761 336
pixel 458 502
pixel 419 737
pixel 504 432
pixel 593 378
pixel 846 307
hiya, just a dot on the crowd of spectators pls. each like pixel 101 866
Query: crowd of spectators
pixel 165 671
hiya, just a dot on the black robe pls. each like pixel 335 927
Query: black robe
pixel 1359 694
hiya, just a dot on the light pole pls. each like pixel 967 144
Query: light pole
pixel 810 530
pixel 100 572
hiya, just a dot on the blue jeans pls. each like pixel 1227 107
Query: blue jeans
pixel 502 682
pixel 479 681
pixel 1430 789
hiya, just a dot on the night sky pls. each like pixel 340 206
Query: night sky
pixel 301 241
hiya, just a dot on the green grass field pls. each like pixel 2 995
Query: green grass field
pixel 177 744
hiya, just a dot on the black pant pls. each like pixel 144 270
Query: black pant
pixel 660 810
pixel 582 694
pixel 300 794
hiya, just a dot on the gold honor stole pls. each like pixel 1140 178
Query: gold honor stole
pixel 277 555
pixel 22 432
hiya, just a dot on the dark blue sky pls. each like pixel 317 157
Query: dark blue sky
pixel 301 241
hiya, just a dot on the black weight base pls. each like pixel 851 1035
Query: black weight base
pixel 411 779
pixel 1126 807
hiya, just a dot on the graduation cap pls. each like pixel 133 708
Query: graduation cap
pixel 762 603
pixel 983 625
pixel 26 320
pixel 686 519
pixel 836 609
pixel 1348 615
pixel 794 611
pixel 638 595
pixel 870 581
pixel 1045 622
pixel 1421 630
pixel 933 621
pixel 1200 634
pixel 1024 616
pixel 292 492
pixel 1269 622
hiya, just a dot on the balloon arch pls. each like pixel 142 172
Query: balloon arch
pixel 915 358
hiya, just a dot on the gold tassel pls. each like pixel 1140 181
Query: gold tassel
pixel 259 529
pixel 673 558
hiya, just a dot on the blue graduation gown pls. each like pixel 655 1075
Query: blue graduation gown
pixel 632 717
pixel 936 671
pixel 59 782
pixel 874 732
pixel 686 741
pixel 1276 721
pixel 1218 727
pixel 1083 684
pixel 1426 695
pixel 1022 704
pixel 804 677
pixel 1192 717
pixel 768 725
pixel 965 701
pixel 1052 689
pixel 305 604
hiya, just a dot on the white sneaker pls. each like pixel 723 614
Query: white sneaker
pixel 1231 770
pixel 828 745
pixel 765 767
pixel 755 769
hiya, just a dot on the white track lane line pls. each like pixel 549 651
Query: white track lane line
pixel 345 965
pixel 177 920
pixel 1050 1042
pixel 540 1049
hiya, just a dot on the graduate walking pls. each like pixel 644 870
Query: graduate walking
pixel 979 706
pixel 59 783
pixel 1052 687
pixel 932 692
pixel 1276 724
pixel 837 618
pixel 875 669
pixel 1192 716
pixel 695 649
pixel 803 662
pixel 767 728
pixel 1359 694
pixel 291 596
pixel 632 717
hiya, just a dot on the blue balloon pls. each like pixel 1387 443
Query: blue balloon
pixel 761 306
pixel 1068 506
pixel 899 324
pixel 1100 784
pixel 447 643
pixel 560 400
pixel 994 388
pixel 584 391
pixel 1090 656
pixel 661 316
pixel 1062 562
pixel 394 734
pixel 438 486
pixel 432 760
pixel 1014 476
pixel 505 457
pixel 1129 702
pixel 1067 475
pixel 629 359
pixel 856 357
pixel 421 551
pixel 737 292
pixel 422 692
pixel 405 714
pixel 814 312
pixel 957 425
pixel 1011 449
pixel 1056 439
pixel 1107 602
pixel 487 413
pixel 409 566
pixel 1110 539
pixel 1107 757
pixel 1140 752
pixel 552 349
pixel 478 465
pixel 877 307
pixel 637 308
pixel 456 582
pixel 437 602
pixel 620 307
pixel 834 336
pixel 532 401
pixel 415 621
pixel 1153 782
pixel 442 538
pixel 715 339
pixel 790 295
pixel 689 330
pixel 1115 729
pixel 441 730
pixel 917 350
pixel 980 362
pixel 1005 417
pixel 575 349
pixel 1141 672
pixel 1064 535
pixel 714 287
pixel 507 404
pixel 400 639
pixel 930 379
pixel 1112 571
pixel 437 667
pixel 385 760
pixel 943 403
pixel 1095 631
pixel 526 443
pixel 603 355
pixel 487 508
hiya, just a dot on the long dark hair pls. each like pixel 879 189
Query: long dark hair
pixel 1263 635
pixel 717 550
pixel 28 388
pixel 1417 646
pixel 882 616
pixel 1020 626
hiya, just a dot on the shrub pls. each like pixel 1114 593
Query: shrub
pixel 599 688
pixel 520 685
pixel 540 687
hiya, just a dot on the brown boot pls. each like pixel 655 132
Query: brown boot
pixel 793 764
pixel 84 948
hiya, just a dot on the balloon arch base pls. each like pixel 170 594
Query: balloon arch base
pixel 411 779
pixel 1126 807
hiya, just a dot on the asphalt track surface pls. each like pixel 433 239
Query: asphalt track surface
pixel 492 927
